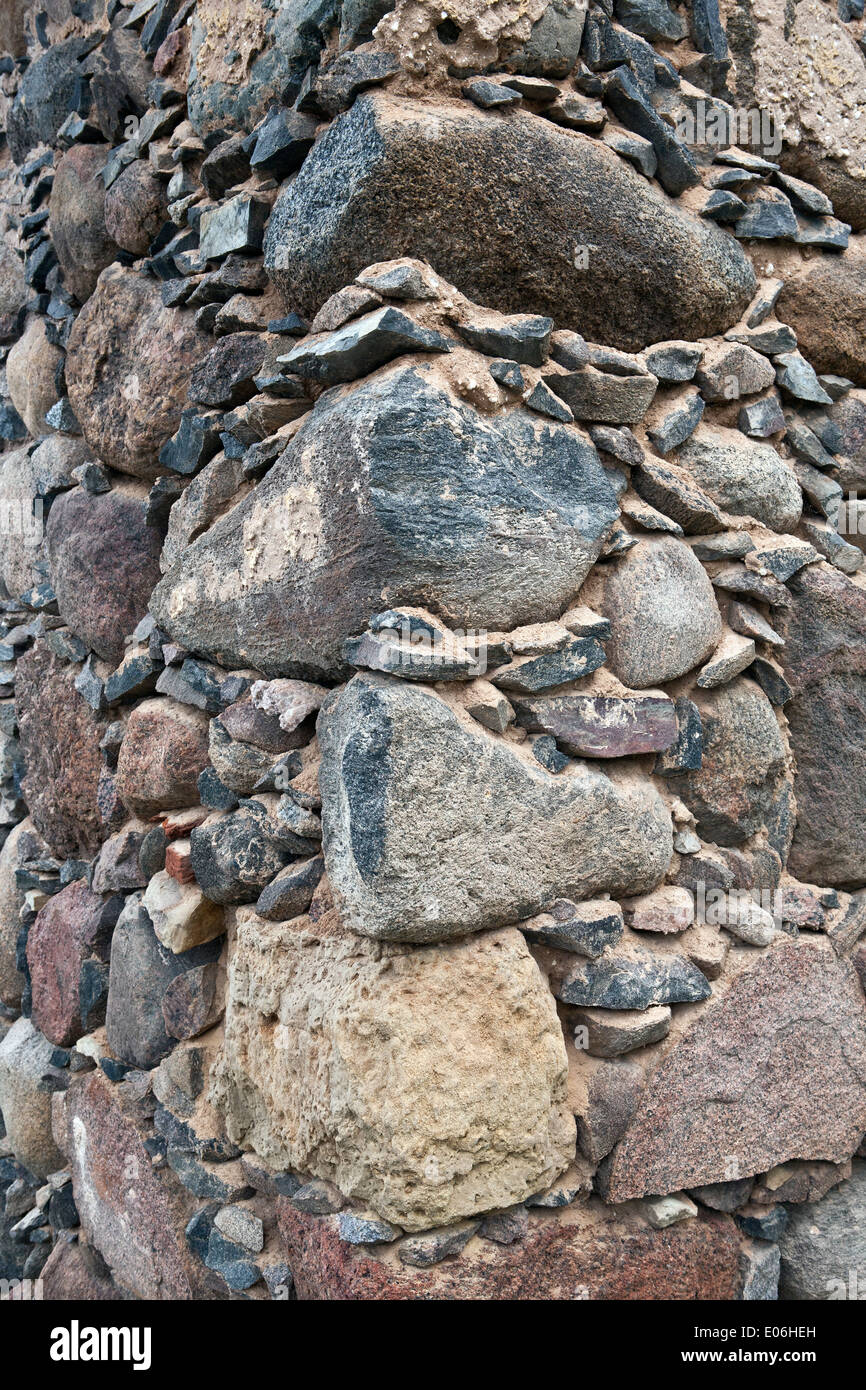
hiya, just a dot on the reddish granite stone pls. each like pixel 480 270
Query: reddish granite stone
pixel 163 752
pixel 104 562
pixel 73 927
pixel 133 1213
pixel 601 726
pixel 581 1252
pixel 60 737
pixel 772 1068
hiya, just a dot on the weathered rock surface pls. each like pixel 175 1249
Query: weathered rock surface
pixel 748 479
pixel 135 207
pixel 60 738
pixel 826 306
pixel 21 844
pixel 402 1129
pixel 663 614
pixel 444 173
pixel 128 368
pixel 81 239
pixel 742 776
pixel 164 751
pixel 738 1087
pixel 142 970
pixel 823 1243
pixel 586 1252
pixel 807 69
pixel 104 561
pixel 824 660
pixel 432 827
pixel 68 948
pixel 25 1056
pixel 30 375
pixel 130 1212
pixel 268 585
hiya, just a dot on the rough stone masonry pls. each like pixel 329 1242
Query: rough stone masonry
pixel 433 649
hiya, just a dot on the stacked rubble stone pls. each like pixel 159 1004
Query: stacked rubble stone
pixel 433 650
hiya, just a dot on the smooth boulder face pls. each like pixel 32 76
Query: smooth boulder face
pixel 30 375
pixel 128 367
pixel 504 208
pixel 135 207
pixel 824 660
pixel 736 1091
pixel 393 492
pixel 662 611
pixel 742 779
pixel 823 1243
pixel 463 1110
pixel 77 223
pixel 826 307
pixel 104 561
pixel 164 751
pixel 60 737
pixel 433 827
pixel 743 477
pixel 25 1055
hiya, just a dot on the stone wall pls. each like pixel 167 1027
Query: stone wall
pixel 433 649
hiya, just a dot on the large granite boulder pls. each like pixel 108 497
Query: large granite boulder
pixel 128 368
pixel 744 477
pixel 434 827
pixel 31 369
pixel 22 843
pixel 164 752
pixel 586 1252
pixel 392 492
pixel 131 1211
pixel 21 541
pixel 463 1109
pixel 25 1056
pixel 736 1090
pixel 662 611
pixel 68 948
pixel 506 208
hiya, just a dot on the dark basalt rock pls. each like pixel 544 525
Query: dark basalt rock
pixel 404 441
pixel 528 184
